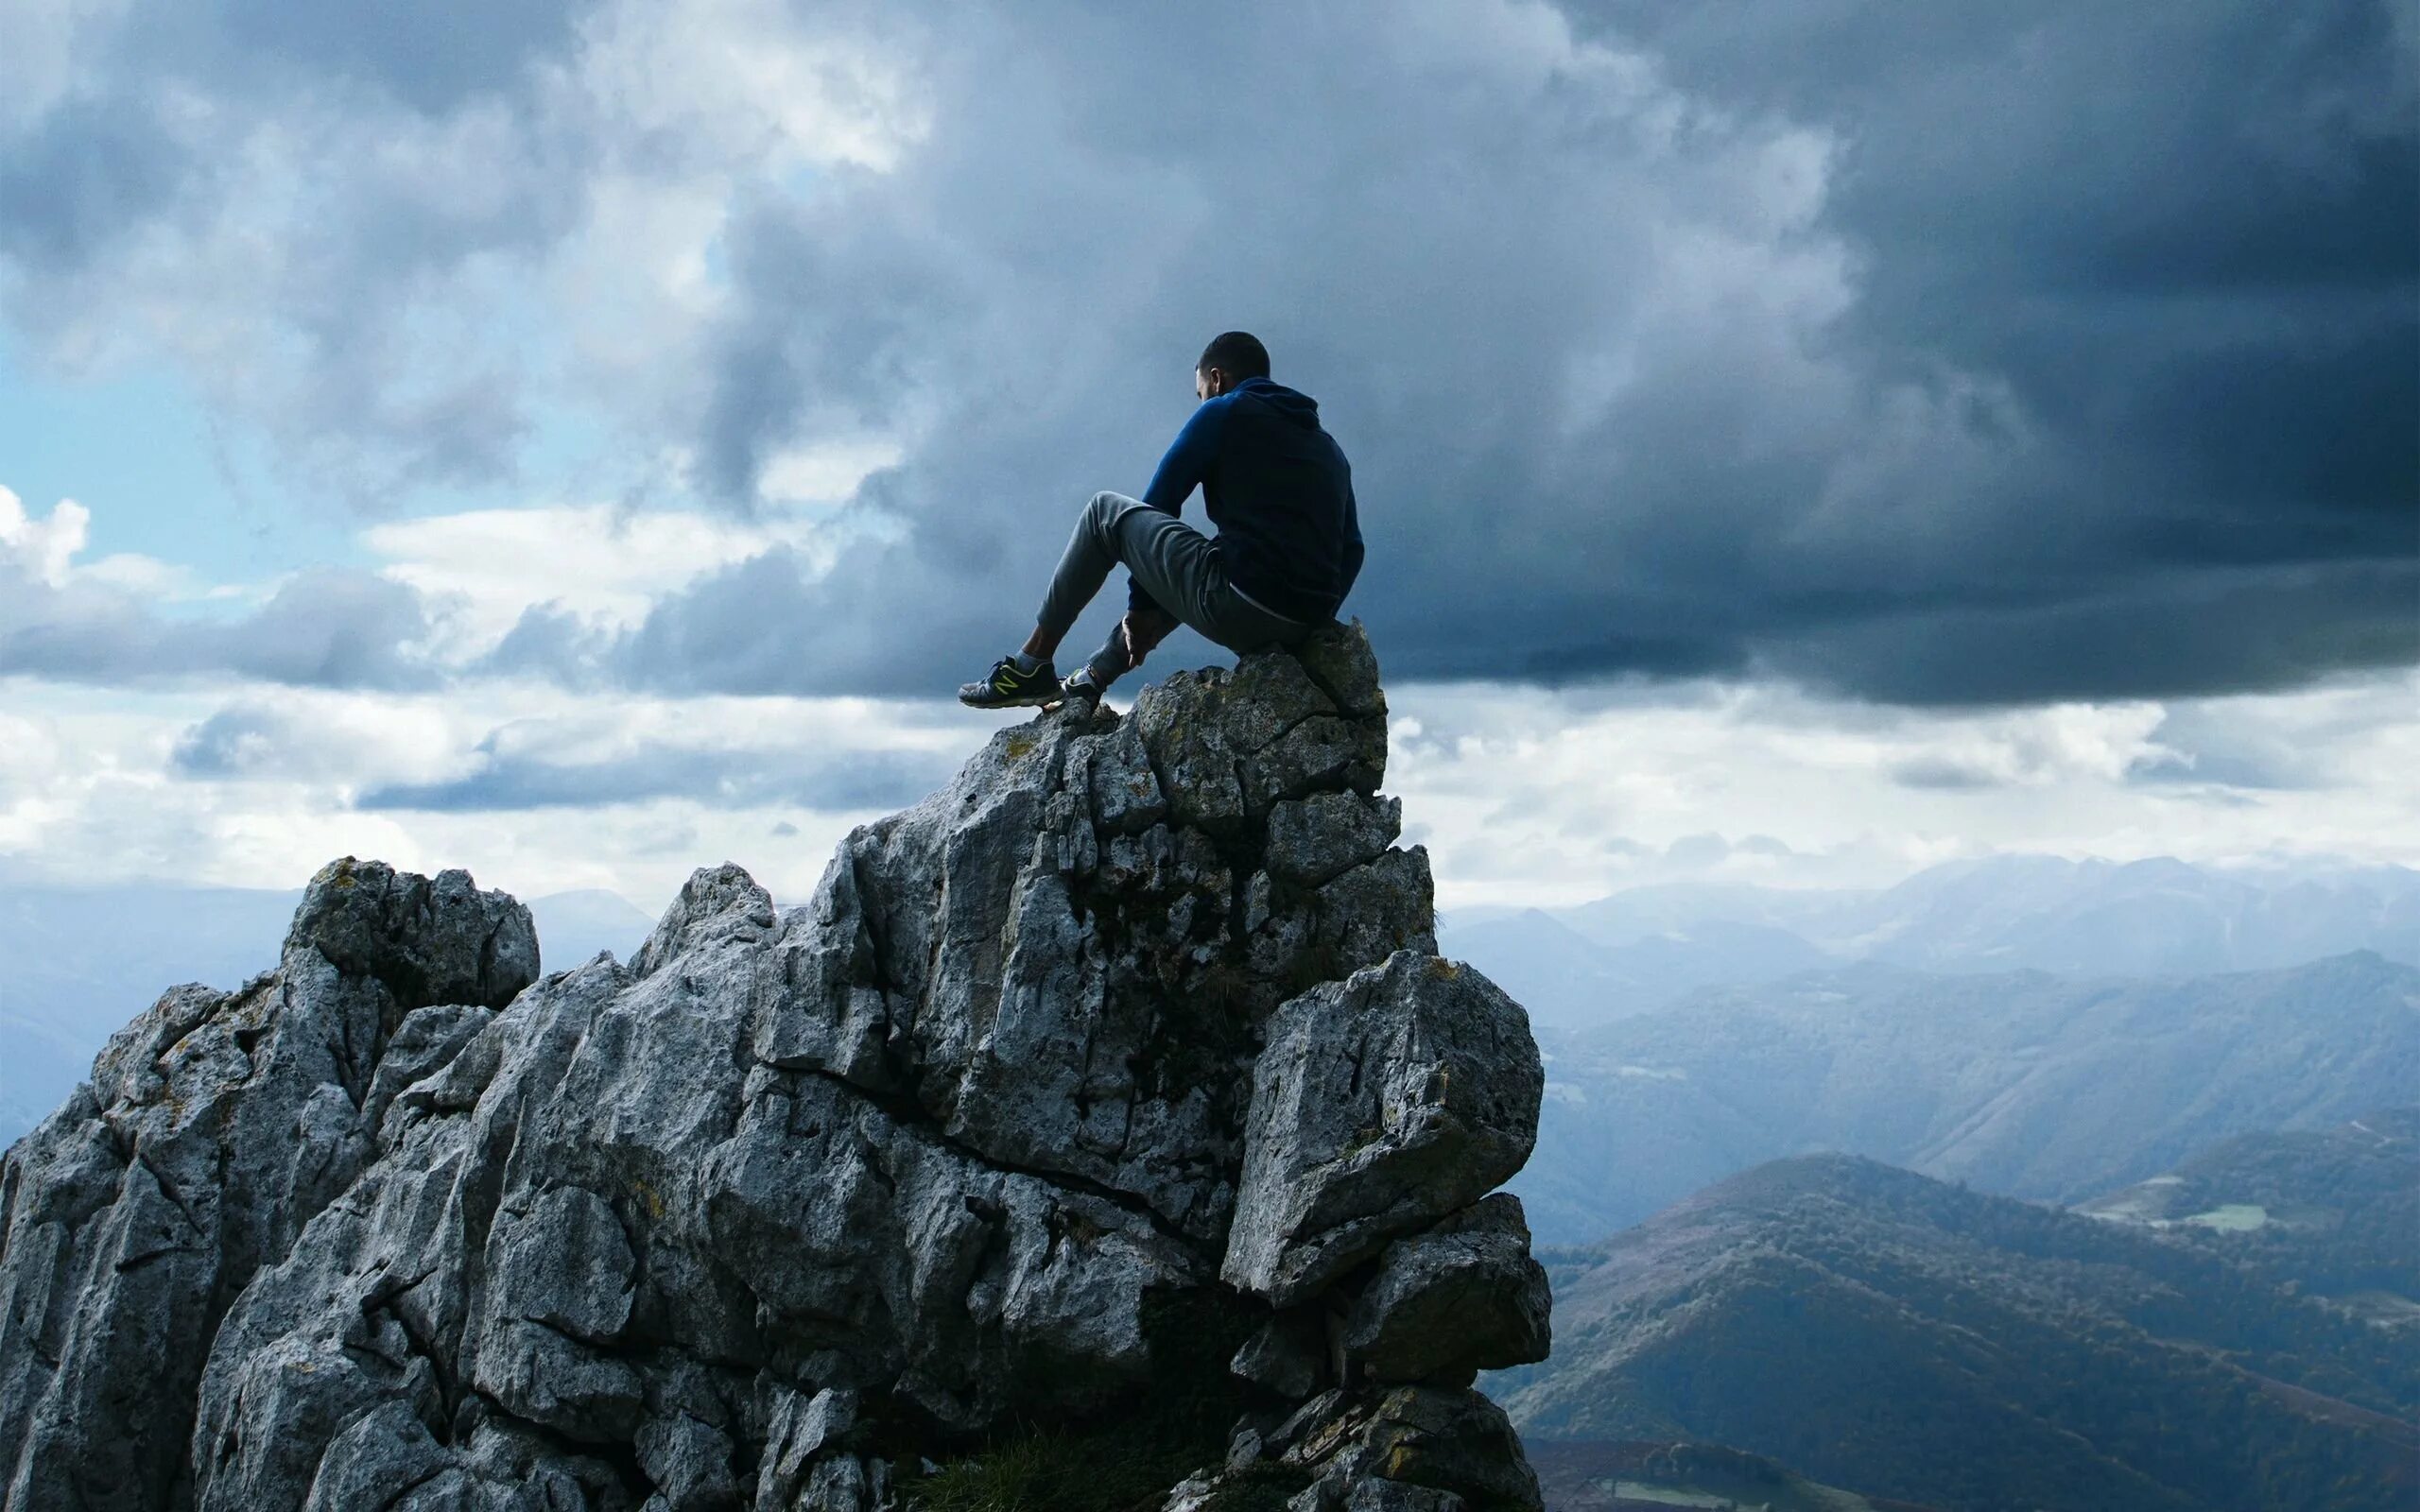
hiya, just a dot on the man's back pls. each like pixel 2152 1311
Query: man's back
pixel 1281 494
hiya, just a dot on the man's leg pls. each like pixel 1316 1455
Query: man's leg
pixel 1092 551
pixel 1103 537
pixel 1178 567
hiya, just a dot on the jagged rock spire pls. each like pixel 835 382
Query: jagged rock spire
pixel 1116 1090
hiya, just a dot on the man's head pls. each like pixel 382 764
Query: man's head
pixel 1227 360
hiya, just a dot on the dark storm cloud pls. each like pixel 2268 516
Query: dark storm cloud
pixel 1931 355
pixel 2122 403
pixel 717 779
pixel 327 628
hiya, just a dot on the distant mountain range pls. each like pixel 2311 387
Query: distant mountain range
pixel 83 961
pixel 1877 1329
pixel 2021 1083
pixel 1638 951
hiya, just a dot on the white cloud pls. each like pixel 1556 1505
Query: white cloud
pixel 481 569
pixel 827 471
pixel 1529 799
pixel 1523 798
pixel 733 82
pixel 42 549
pixel 92 789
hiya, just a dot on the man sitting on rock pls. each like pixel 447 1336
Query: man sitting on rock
pixel 1289 547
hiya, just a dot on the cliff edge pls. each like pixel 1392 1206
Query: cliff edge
pixel 1104 1132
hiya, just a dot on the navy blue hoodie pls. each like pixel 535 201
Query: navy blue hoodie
pixel 1280 492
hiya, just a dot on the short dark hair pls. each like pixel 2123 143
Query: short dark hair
pixel 1236 353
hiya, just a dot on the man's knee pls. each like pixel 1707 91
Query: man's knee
pixel 1101 517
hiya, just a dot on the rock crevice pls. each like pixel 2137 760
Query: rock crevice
pixel 1113 1091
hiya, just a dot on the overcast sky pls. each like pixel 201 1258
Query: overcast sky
pixel 1797 440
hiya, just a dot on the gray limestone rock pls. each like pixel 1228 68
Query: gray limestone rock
pixel 1322 754
pixel 1393 1496
pixel 1450 1441
pixel 1339 658
pixel 425 939
pixel 1125 791
pixel 688 1459
pixel 215 1127
pixel 1343 1495
pixel 563 1262
pixel 1314 840
pixel 1382 1103
pixel 956 1148
pixel 802 1428
pixel 385 1454
pixel 1407 1449
pixel 1461 1297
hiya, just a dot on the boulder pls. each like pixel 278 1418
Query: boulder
pixel 1313 841
pixel 425 939
pixel 1382 1103
pixel 1340 661
pixel 1450 1442
pixel 1461 1297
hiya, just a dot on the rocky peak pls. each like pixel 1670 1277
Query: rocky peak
pixel 1104 1131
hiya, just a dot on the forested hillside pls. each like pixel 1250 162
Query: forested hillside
pixel 1875 1329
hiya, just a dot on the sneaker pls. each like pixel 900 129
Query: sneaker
pixel 1010 686
pixel 1079 685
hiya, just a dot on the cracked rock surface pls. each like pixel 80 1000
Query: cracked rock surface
pixel 1120 1072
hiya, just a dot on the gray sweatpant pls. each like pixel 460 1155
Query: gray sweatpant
pixel 1177 565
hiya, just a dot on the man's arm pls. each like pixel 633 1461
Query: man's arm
pixel 1145 627
pixel 1180 472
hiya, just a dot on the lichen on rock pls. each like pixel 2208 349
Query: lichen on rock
pixel 1111 1095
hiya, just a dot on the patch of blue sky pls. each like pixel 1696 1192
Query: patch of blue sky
pixel 163 478
pixel 566 456
pixel 160 478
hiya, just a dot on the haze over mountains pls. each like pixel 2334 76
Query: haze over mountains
pixel 1637 951
pixel 2020 1083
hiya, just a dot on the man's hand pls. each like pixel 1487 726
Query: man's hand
pixel 1141 629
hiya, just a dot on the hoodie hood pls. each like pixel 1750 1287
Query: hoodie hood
pixel 1294 405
